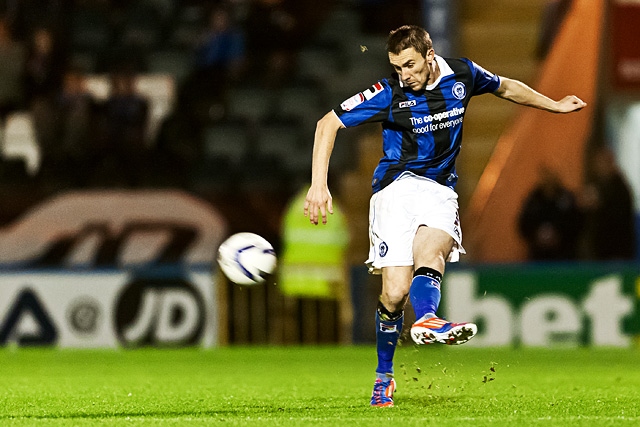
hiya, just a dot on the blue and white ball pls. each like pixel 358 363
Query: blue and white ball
pixel 246 258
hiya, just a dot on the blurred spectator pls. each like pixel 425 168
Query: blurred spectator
pixel 78 112
pixel 552 18
pixel 12 62
pixel 44 65
pixel 608 203
pixel 272 32
pixel 221 52
pixel 66 132
pixel 219 60
pixel 178 150
pixel 550 221
pixel 125 155
pixel 25 15
pixel 381 16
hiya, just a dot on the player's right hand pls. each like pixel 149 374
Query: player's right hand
pixel 318 199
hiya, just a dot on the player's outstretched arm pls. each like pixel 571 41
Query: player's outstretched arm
pixel 318 196
pixel 520 93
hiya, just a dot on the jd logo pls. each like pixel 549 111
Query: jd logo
pixel 159 311
pixel 27 323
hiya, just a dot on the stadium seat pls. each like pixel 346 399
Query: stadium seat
pixel 250 103
pixel 225 150
pixel 164 8
pixel 91 30
pixel 176 62
pixel 264 175
pixel 141 26
pixel 19 140
pixel 227 140
pixel 342 25
pixel 280 140
pixel 303 102
pixel 368 52
pixel 320 62
pixel 187 27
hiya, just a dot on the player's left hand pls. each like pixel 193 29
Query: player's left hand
pixel 570 103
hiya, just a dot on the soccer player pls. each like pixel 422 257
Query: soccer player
pixel 414 226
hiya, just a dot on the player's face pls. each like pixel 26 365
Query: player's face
pixel 412 68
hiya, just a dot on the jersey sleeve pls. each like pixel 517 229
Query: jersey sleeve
pixel 483 80
pixel 371 105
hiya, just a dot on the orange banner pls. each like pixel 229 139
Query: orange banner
pixel 538 138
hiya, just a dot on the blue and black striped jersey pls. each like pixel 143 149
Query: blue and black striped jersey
pixel 421 131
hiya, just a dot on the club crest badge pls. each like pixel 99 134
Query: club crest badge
pixel 383 249
pixel 459 90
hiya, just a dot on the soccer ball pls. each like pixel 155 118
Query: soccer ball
pixel 246 258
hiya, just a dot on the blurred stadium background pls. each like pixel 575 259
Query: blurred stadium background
pixel 137 135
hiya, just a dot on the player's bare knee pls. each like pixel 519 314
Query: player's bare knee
pixel 393 299
pixel 432 260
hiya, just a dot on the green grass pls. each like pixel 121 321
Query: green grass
pixel 286 386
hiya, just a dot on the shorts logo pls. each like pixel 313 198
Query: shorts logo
pixel 459 90
pixel 406 104
pixel 383 249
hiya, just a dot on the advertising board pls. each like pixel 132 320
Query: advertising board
pixel 546 305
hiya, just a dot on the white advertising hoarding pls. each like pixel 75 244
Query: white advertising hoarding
pixel 108 309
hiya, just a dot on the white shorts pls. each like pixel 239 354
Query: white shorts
pixel 396 212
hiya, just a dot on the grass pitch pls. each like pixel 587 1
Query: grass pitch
pixel 330 386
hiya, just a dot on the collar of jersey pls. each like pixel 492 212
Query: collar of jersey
pixel 445 70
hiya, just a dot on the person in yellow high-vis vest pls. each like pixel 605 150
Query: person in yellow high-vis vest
pixel 313 263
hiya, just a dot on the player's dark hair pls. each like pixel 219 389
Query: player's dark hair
pixel 409 36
